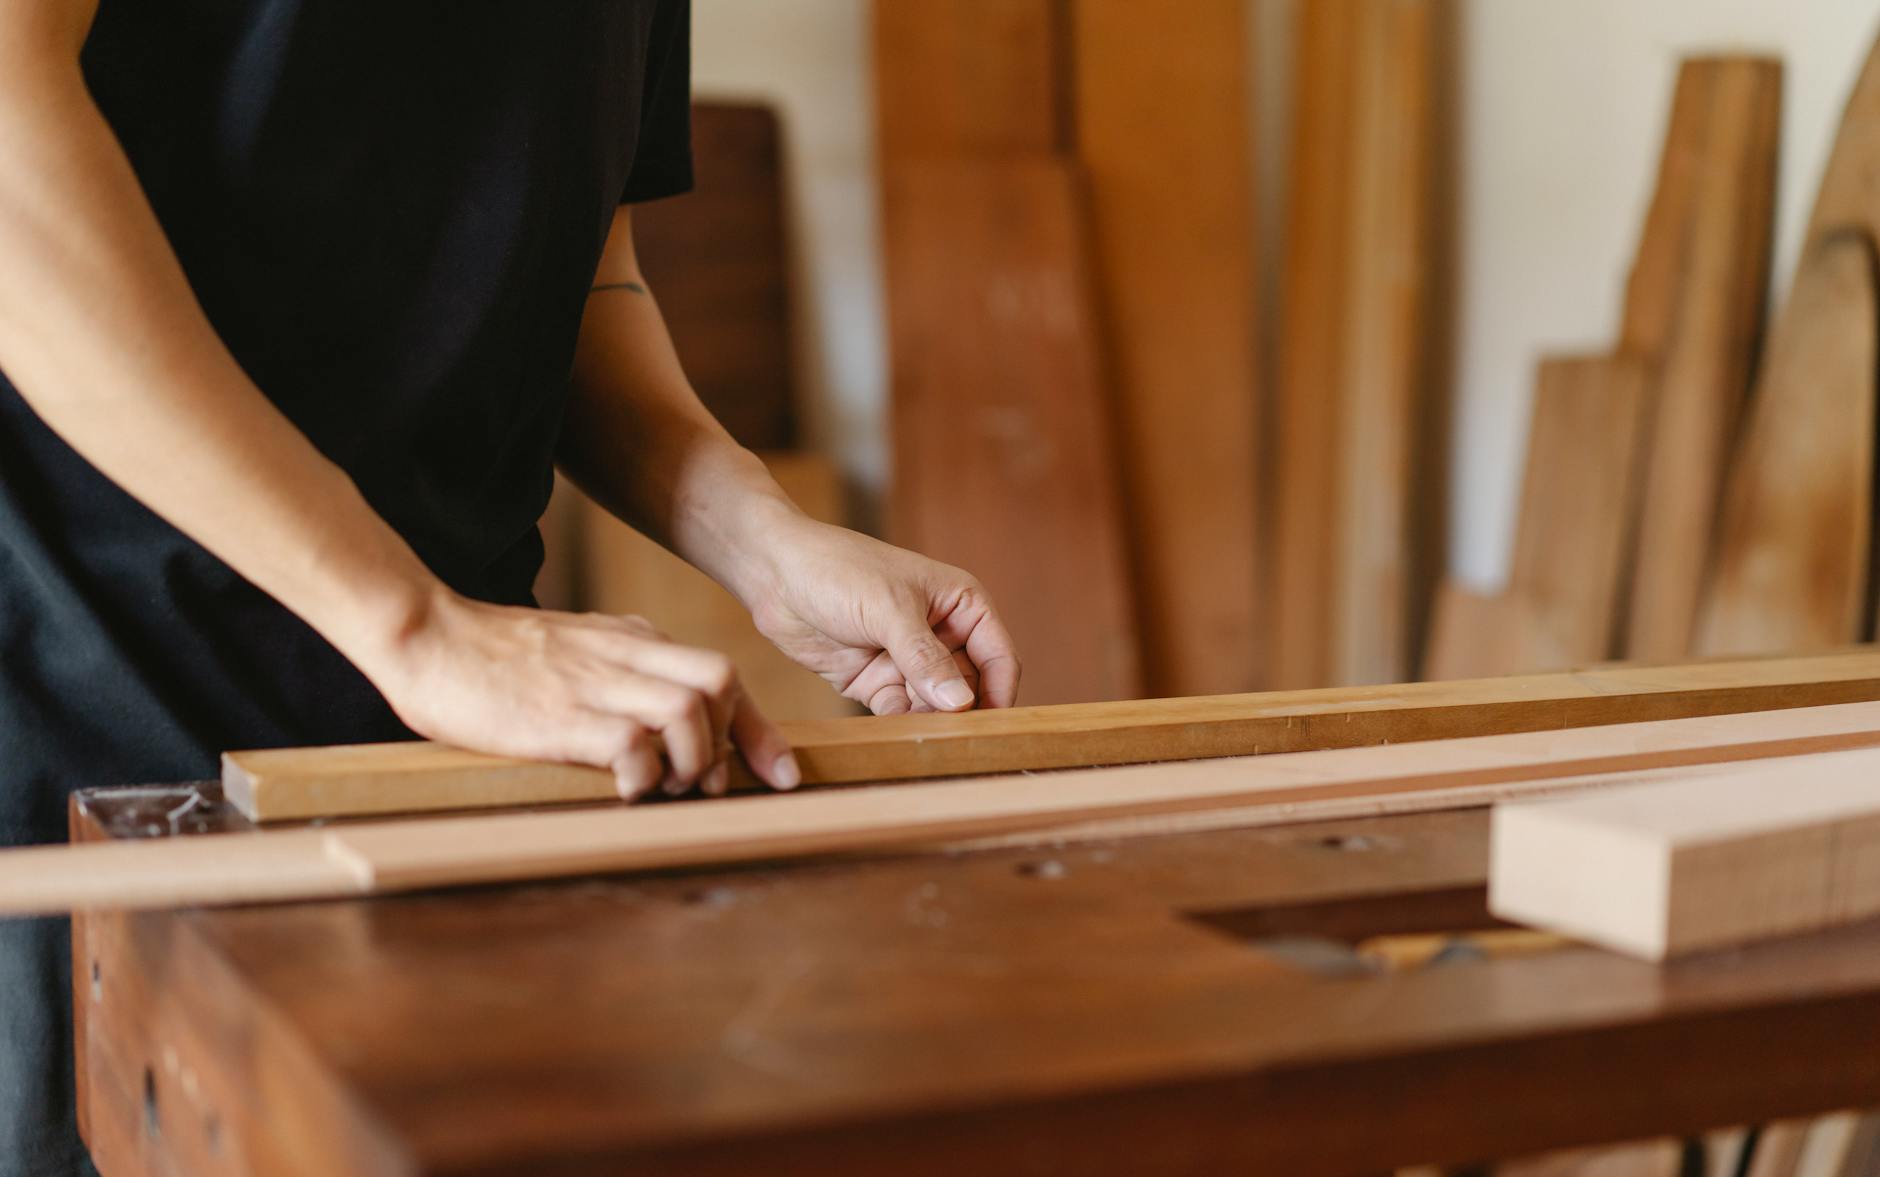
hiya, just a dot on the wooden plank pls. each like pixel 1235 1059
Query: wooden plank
pixel 1656 281
pixel 969 77
pixel 1796 537
pixel 1352 365
pixel 1162 126
pixel 1665 869
pixel 1656 1158
pixel 413 853
pixel 277 783
pixel 1002 446
pixel 1384 388
pixel 1578 503
pixel 1778 1149
pixel 1704 373
pixel 716 260
pixel 1850 184
pixel 624 572
pixel 1307 419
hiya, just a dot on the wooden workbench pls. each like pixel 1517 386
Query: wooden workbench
pixel 1109 1008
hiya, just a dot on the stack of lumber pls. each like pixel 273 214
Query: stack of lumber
pixel 716 259
pixel 1356 488
pixel 1698 491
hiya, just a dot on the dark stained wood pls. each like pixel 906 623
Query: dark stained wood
pixel 1090 1009
pixel 970 77
pixel 1003 455
pixel 716 260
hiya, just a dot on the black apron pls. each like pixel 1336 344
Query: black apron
pixel 392 213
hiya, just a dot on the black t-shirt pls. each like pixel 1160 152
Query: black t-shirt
pixel 392 213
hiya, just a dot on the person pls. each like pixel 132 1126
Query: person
pixel 301 304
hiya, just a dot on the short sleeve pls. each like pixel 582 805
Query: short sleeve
pixel 662 158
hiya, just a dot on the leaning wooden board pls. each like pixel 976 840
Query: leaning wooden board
pixel 299 784
pixel 1003 452
pixel 1796 537
pixel 386 856
pixel 970 77
pixel 1162 125
pixel 1704 372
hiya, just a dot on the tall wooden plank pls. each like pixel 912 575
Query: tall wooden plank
pixel 1002 444
pixel 716 260
pixel 1388 265
pixel 1653 287
pixel 1162 126
pixel 1796 537
pixel 1353 364
pixel 1704 374
pixel 1850 184
pixel 969 77
pixel 1307 419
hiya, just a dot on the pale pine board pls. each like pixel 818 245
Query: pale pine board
pixel 288 784
pixel 1796 536
pixel 1162 126
pixel 1703 374
pixel 401 855
pixel 1675 867
pixel 1003 455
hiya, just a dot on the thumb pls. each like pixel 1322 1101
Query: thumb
pixel 929 668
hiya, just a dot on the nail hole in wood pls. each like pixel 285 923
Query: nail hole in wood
pixel 1354 842
pixel 97 982
pixel 152 1126
pixel 1049 868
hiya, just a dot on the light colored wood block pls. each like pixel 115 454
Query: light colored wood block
pixel 423 852
pixel 1797 532
pixel 1178 286
pixel 906 747
pixel 1679 866
pixel 1653 1158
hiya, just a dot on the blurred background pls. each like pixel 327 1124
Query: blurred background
pixel 1262 344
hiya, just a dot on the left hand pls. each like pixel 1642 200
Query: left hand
pixel 886 627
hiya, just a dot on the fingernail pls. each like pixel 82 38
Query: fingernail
pixel 718 779
pixel 786 772
pixel 955 694
pixel 673 786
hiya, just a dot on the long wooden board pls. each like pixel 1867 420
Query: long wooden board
pixel 1675 867
pixel 1796 537
pixel 398 855
pixel 970 77
pixel 717 260
pixel 1704 372
pixel 1353 364
pixel 1002 445
pixel 1162 126
pixel 293 784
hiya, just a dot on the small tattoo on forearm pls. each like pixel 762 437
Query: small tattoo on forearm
pixel 635 287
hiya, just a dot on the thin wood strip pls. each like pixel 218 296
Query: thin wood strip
pixel 295 784
pixel 413 853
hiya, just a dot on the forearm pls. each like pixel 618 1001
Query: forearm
pixel 100 333
pixel 638 440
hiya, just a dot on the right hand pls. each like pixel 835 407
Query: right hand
pixel 584 688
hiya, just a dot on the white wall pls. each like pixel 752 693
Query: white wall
pixel 1563 111
pixel 1563 106
pixel 810 59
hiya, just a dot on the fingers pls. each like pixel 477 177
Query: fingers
pixel 928 667
pixel 636 765
pixel 764 747
pixel 676 713
pixel 992 652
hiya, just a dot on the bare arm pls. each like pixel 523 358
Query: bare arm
pixel 101 334
pixel 886 627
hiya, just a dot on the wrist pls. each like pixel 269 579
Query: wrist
pixel 734 530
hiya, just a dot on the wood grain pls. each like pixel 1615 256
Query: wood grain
pixel 1704 372
pixel 1656 282
pixel 1354 329
pixel 717 260
pixel 906 747
pixel 1849 195
pixel 1796 538
pixel 1003 454
pixel 1163 131
pixel 624 572
pixel 403 855
pixel 970 77
pixel 1676 867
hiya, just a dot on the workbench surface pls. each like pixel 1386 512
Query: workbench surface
pixel 1109 1008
